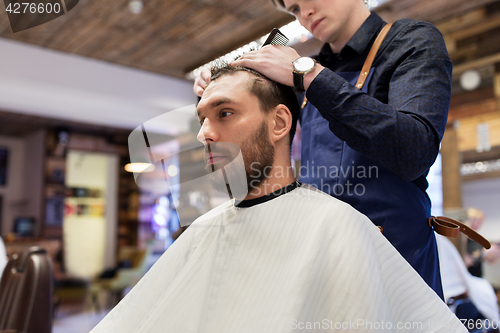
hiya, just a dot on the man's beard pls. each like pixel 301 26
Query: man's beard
pixel 256 159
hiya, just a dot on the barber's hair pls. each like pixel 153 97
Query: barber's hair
pixel 269 93
pixel 280 4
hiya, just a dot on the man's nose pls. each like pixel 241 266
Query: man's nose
pixel 207 132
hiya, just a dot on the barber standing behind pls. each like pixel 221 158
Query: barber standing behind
pixel 370 147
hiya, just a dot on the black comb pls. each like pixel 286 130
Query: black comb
pixel 276 37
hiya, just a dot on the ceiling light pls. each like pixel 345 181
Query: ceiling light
pixel 135 6
pixel 480 167
pixel 470 80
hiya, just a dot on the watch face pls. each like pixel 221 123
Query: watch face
pixel 303 64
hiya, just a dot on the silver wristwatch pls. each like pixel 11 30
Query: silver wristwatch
pixel 301 67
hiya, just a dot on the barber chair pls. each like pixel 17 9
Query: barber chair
pixel 26 290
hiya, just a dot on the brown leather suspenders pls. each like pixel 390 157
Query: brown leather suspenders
pixel 371 56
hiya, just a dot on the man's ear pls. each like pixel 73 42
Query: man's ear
pixel 282 122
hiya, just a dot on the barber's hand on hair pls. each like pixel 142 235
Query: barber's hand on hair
pixel 275 62
pixel 201 82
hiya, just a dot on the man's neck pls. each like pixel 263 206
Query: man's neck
pixel 279 177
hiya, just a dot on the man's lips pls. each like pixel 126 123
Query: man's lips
pixel 315 24
pixel 213 159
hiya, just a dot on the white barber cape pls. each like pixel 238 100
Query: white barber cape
pixel 300 262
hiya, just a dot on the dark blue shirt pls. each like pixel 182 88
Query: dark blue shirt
pixel 401 121
pixel 373 148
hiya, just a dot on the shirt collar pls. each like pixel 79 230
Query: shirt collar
pixel 363 37
pixel 252 202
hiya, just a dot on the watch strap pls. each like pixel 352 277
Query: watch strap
pixel 298 81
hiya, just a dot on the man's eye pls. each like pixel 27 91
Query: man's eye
pixel 225 114
pixel 294 10
pixel 201 122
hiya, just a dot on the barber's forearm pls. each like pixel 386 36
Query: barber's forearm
pixel 309 77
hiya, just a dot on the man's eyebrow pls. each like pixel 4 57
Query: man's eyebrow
pixel 217 103
pixel 221 101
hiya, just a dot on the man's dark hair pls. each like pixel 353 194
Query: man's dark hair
pixel 269 93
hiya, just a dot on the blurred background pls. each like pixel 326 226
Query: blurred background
pixel 74 90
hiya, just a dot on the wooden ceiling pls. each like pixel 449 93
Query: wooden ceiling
pixel 173 37
pixel 471 30
pixel 170 37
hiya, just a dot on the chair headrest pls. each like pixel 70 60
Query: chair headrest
pixel 22 259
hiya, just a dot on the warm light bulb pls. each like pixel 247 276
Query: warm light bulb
pixel 139 167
